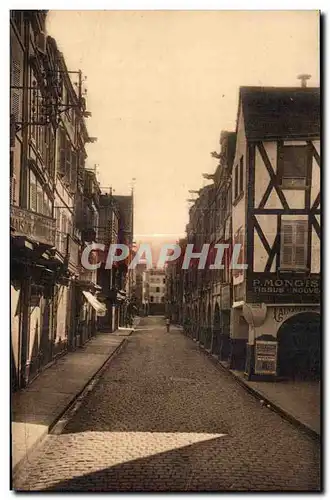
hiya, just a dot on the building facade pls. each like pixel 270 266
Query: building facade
pixel 154 290
pixel 276 216
pixel 264 317
pixel 55 203
pixel 221 211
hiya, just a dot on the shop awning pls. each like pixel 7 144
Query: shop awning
pixel 98 306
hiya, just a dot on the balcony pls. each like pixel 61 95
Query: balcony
pixel 33 226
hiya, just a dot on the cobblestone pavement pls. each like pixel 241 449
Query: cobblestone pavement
pixel 164 418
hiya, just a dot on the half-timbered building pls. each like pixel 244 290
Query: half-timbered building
pixel 275 321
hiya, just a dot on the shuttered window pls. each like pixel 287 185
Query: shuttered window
pixel 40 199
pixel 61 165
pixel 68 161
pixel 13 189
pixel 16 60
pixel 73 184
pixel 294 244
pixel 33 192
pixel 64 231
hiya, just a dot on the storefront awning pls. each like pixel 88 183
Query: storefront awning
pixel 98 306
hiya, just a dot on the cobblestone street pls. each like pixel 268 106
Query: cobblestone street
pixel 162 417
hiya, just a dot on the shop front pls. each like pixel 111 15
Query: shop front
pixel 284 341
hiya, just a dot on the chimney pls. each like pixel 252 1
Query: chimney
pixel 304 78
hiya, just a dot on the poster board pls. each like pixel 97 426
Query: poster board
pixel 266 357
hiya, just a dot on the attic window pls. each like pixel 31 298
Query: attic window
pixel 294 162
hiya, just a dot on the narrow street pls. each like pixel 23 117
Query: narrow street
pixel 163 417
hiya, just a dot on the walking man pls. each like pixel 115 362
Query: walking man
pixel 168 324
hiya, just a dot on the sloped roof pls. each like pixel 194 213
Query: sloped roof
pixel 280 112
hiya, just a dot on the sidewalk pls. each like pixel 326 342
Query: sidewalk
pixel 36 409
pixel 297 401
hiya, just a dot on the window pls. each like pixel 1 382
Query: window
pixel 239 240
pixel 157 289
pixel 163 299
pixel 236 182
pixel 293 166
pixel 241 166
pixel 294 244
pixel 151 298
pixel 33 192
pixel 47 205
pixel 40 199
pixel 163 280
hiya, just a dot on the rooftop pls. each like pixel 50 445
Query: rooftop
pixel 277 112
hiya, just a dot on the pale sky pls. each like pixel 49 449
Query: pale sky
pixel 163 84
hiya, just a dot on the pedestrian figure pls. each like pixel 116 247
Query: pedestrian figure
pixel 168 324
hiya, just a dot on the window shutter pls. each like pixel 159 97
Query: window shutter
pixel 63 233
pixel 301 244
pixel 33 192
pixel 287 244
pixel 294 244
pixel 68 161
pixel 40 199
pixel 73 184
pixel 64 224
pixel 13 189
pixel 12 131
pixel 16 57
pixel 61 156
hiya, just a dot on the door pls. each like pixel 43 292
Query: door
pixel 46 340
pixel 299 340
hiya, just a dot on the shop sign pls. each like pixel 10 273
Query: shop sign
pixel 280 313
pixel 265 357
pixel 272 288
pixel 30 224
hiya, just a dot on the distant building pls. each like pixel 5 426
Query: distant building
pixel 138 286
pixel 154 288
